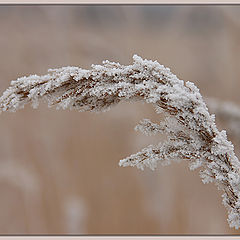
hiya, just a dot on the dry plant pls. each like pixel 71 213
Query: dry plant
pixel 228 113
pixel 191 130
pixel 75 214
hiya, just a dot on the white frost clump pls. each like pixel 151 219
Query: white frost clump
pixel 191 130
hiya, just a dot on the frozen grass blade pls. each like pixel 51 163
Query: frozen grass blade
pixel 191 130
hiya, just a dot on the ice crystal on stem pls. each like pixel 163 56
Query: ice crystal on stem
pixel 191 130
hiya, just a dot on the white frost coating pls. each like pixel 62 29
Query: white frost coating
pixel 191 130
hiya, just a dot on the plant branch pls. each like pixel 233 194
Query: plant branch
pixel 191 130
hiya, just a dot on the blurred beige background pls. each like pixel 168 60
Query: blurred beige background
pixel 59 170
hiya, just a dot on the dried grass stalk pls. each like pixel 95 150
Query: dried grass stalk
pixel 228 113
pixel 192 133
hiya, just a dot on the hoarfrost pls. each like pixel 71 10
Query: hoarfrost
pixel 191 130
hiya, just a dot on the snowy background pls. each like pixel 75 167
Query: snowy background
pixel 59 170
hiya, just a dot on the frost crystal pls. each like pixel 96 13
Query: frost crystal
pixel 191 130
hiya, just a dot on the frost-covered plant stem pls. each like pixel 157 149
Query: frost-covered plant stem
pixel 192 133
